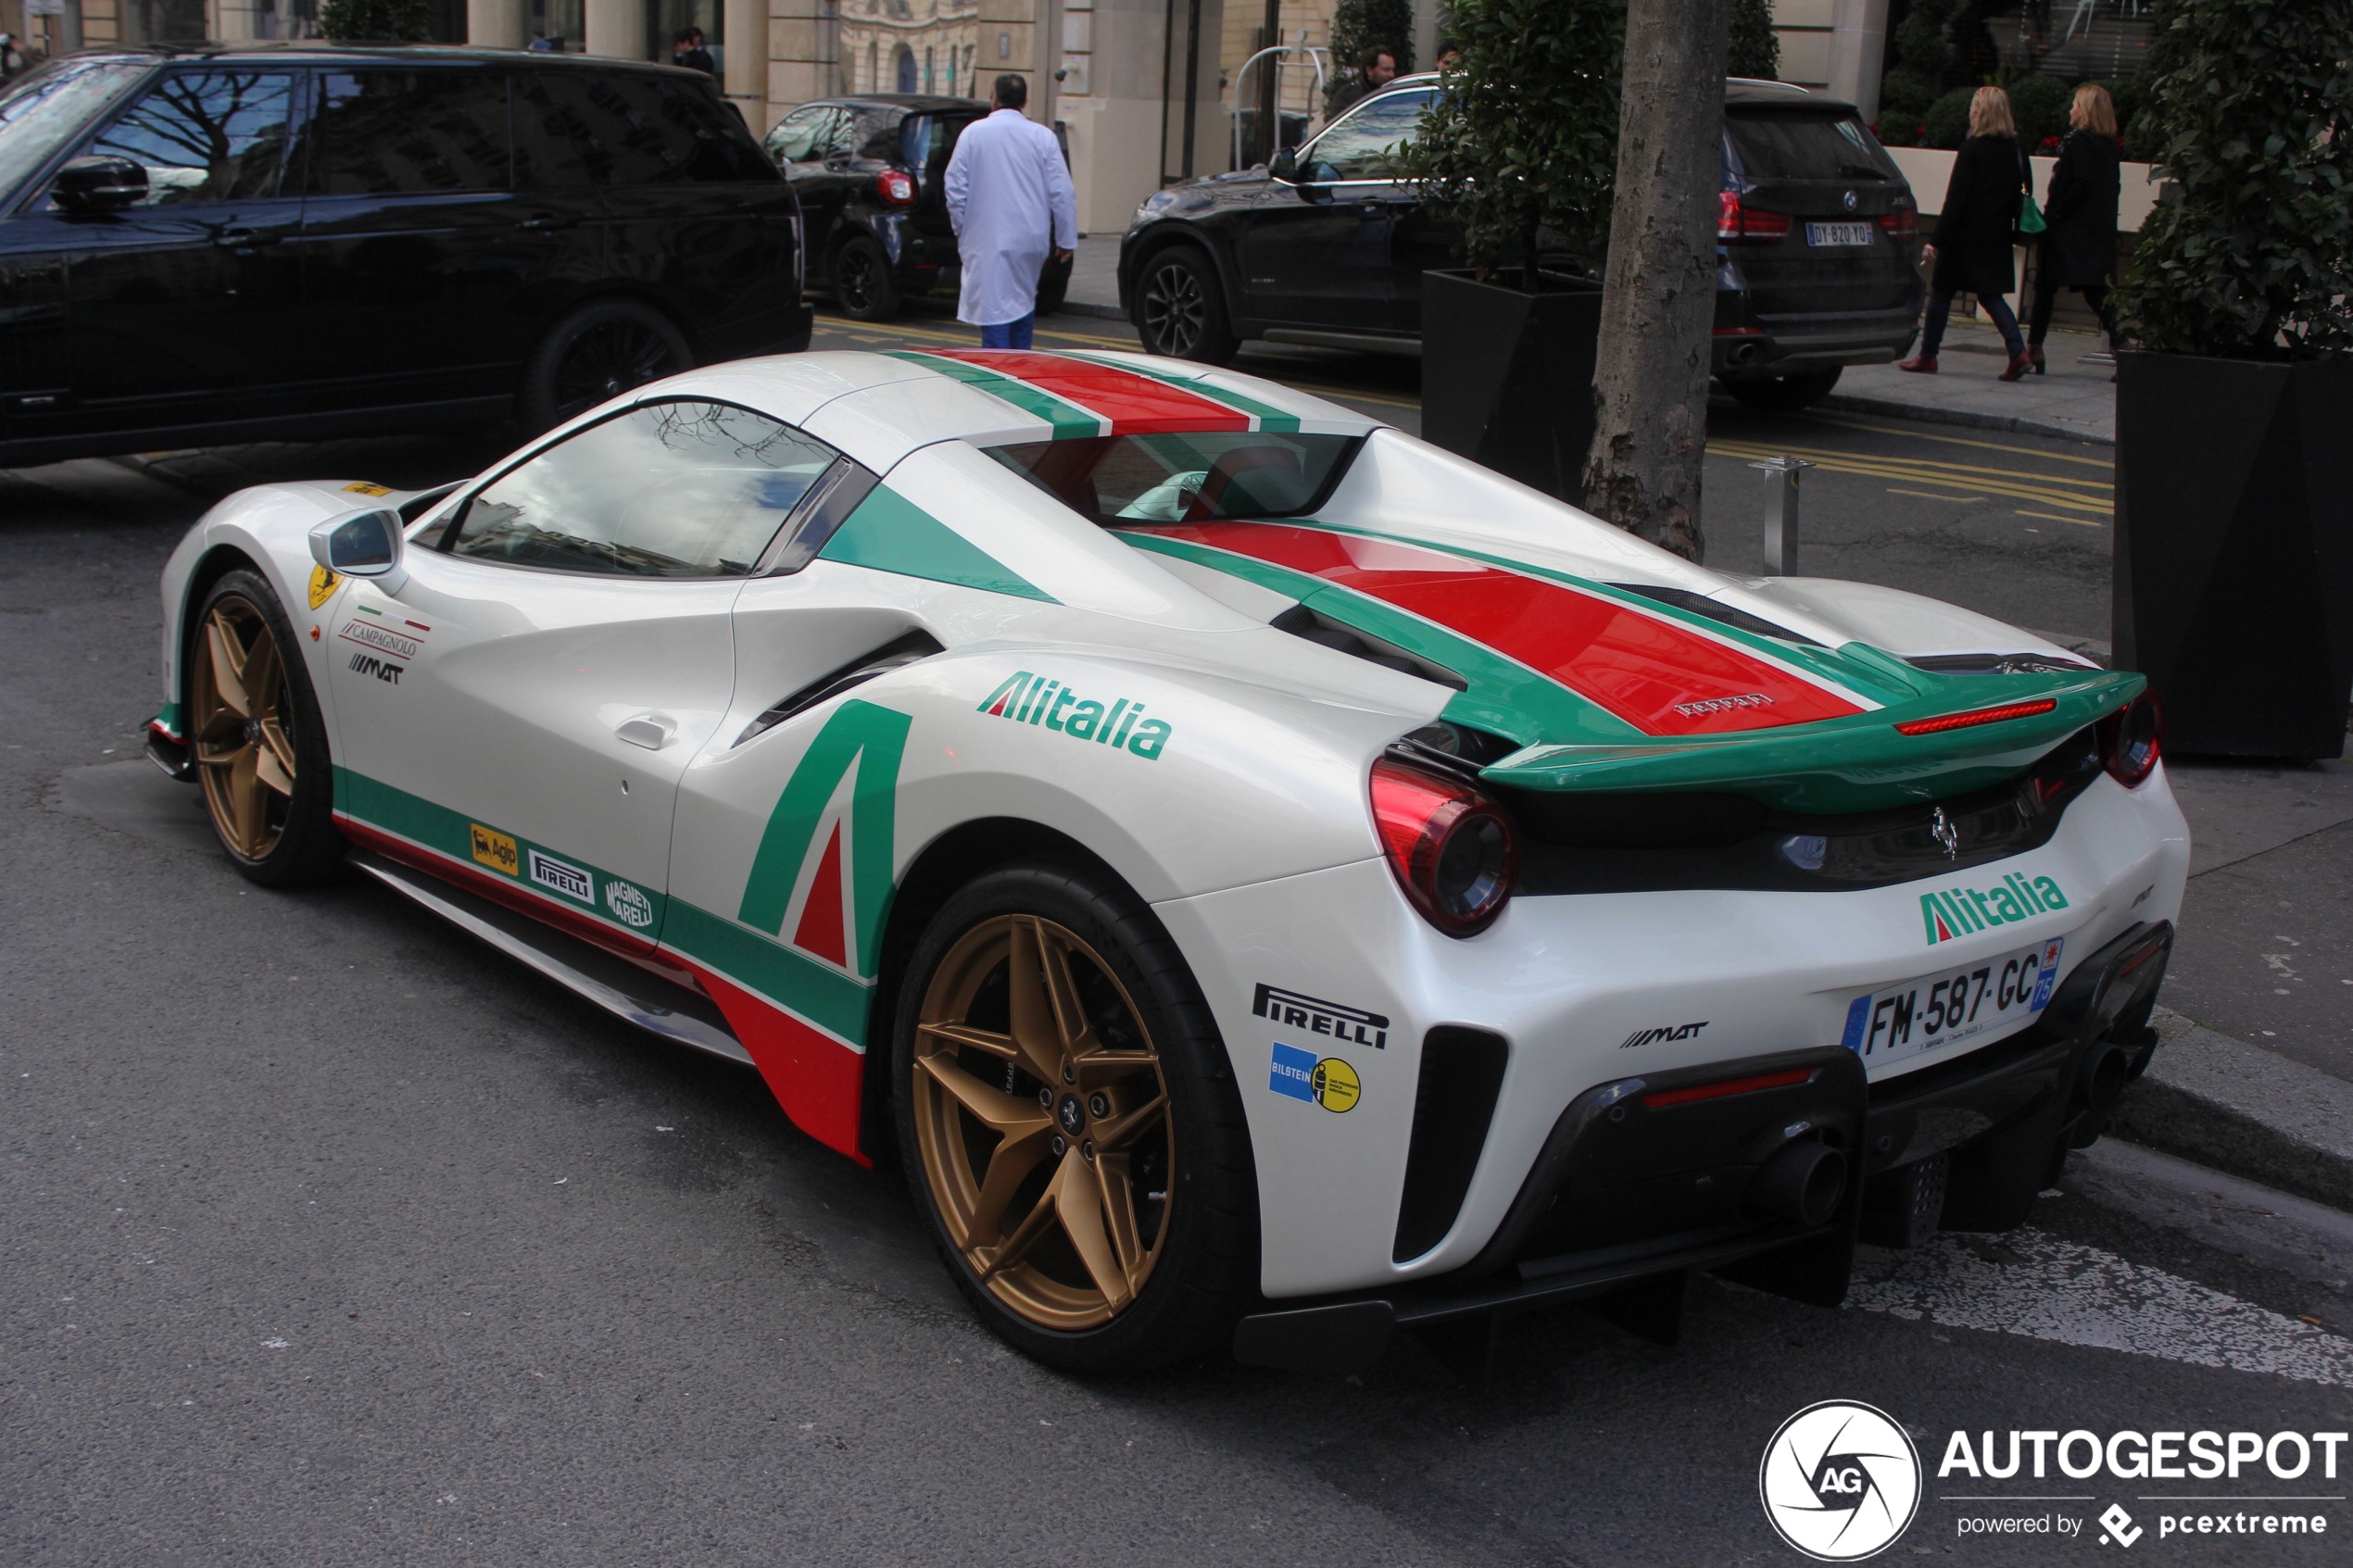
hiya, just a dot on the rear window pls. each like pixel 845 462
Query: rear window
pixel 1795 145
pixel 624 128
pixel 1207 476
pixel 928 139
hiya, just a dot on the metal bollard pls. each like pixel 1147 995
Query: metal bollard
pixel 1780 513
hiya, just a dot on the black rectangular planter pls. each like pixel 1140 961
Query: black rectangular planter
pixel 1507 376
pixel 2234 582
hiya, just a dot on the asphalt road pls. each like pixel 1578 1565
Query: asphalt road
pixel 328 1236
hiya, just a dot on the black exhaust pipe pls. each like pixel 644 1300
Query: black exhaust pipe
pixel 1802 1180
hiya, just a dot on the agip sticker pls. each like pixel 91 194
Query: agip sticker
pixel 495 850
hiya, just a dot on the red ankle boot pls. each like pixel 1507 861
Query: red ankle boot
pixel 1924 363
pixel 2019 364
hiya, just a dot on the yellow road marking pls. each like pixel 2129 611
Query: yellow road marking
pixel 1961 441
pixel 2052 517
pixel 1931 495
pixel 2008 483
pixel 1923 467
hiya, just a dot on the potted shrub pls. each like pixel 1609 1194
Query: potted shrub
pixel 1519 154
pixel 2233 581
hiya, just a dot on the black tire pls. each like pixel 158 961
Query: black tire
pixel 1204 1236
pixel 303 846
pixel 1180 308
pixel 598 352
pixel 862 284
pixel 1784 395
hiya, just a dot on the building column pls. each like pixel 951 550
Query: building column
pixel 616 28
pixel 746 23
pixel 1858 47
pixel 497 24
pixel 802 49
pixel 233 21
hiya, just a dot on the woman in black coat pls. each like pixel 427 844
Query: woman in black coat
pixel 2079 248
pixel 1971 247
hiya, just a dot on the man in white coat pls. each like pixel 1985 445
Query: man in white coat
pixel 1012 202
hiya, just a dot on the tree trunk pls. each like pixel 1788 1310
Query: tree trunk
pixel 1658 300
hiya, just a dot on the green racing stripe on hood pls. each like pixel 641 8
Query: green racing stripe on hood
pixel 1068 419
pixel 1269 418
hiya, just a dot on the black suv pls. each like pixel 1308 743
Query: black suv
pixel 869 171
pixel 1815 246
pixel 213 244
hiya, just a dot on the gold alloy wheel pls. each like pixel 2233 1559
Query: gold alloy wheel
pixel 1043 1121
pixel 242 727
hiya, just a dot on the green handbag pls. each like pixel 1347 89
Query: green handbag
pixel 2029 217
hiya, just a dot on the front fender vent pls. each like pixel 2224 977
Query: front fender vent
pixel 1462 1074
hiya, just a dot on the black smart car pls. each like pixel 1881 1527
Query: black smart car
pixel 1814 244
pixel 869 171
pixel 215 244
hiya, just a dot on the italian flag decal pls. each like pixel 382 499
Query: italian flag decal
pixel 1082 396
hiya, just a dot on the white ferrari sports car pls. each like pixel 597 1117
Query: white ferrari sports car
pixel 1269 880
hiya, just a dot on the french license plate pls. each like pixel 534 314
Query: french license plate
pixel 1838 233
pixel 1967 1002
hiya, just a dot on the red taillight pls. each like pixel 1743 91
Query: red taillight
pixel 1451 846
pixel 1976 716
pixel 1734 221
pixel 895 188
pixel 1904 225
pixel 1727 1086
pixel 2131 738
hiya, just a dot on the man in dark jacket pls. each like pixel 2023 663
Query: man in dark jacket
pixel 1376 69
pixel 2079 248
pixel 1971 247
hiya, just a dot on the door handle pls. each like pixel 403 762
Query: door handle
pixel 543 222
pixel 245 238
pixel 651 731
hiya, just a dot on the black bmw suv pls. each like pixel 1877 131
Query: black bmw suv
pixel 1815 235
pixel 871 172
pixel 218 244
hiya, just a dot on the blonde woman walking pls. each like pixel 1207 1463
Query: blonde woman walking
pixel 1971 247
pixel 2079 248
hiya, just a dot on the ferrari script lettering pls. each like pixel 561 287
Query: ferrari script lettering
pixel 1960 910
pixel 1037 699
pixel 1723 704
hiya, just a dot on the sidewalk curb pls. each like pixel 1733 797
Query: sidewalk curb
pixel 2243 1109
pixel 1087 307
pixel 2014 424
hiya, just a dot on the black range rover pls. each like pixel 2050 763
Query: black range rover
pixel 212 245
pixel 1814 234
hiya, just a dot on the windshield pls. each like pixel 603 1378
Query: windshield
pixel 1208 477
pixel 41 112
pixel 1786 145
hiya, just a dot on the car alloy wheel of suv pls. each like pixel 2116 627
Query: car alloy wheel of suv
pixel 1180 311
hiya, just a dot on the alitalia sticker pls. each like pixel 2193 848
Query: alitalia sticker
pixel 1960 912
pixel 569 880
pixel 1037 699
pixel 822 877
pixel 629 904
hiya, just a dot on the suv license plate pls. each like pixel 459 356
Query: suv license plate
pixel 1838 233
pixel 1972 1002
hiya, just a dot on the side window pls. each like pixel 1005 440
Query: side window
pixel 206 135
pixel 555 149
pixel 680 489
pixel 724 152
pixel 1364 146
pixel 794 140
pixel 873 134
pixel 385 131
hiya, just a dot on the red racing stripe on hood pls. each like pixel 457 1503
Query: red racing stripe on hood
pixel 1660 677
pixel 1135 404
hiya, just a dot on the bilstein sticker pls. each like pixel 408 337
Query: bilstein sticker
pixel 1330 1083
pixel 1958 911
pixel 495 850
pixel 1035 699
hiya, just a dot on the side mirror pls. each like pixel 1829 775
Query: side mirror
pixel 1284 166
pixel 99 184
pixel 362 544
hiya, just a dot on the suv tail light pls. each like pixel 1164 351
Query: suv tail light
pixel 1450 847
pixel 895 187
pixel 1904 225
pixel 2131 738
pixel 1734 221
